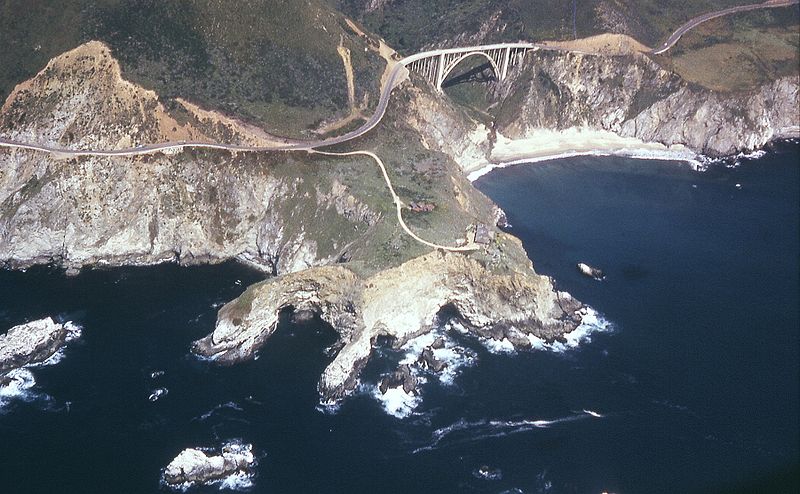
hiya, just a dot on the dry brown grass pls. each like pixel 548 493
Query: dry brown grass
pixel 602 44
pixel 735 54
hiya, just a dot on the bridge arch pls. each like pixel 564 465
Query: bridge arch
pixel 447 70
pixel 436 65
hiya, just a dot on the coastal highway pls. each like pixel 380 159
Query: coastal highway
pixel 670 42
pixel 397 75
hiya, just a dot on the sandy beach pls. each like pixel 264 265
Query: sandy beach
pixel 545 144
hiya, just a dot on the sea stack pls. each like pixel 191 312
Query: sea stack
pixel 30 343
pixel 591 272
pixel 194 466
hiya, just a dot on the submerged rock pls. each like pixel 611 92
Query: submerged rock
pixel 194 466
pixel 591 272
pixel 30 343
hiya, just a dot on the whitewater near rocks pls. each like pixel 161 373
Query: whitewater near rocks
pixel 399 304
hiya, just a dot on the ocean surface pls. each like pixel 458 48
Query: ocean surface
pixel 691 387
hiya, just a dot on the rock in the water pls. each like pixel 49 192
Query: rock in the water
pixel 31 343
pixel 158 393
pixel 487 473
pixel 194 466
pixel 397 304
pixel 429 361
pixel 438 343
pixel 401 377
pixel 591 272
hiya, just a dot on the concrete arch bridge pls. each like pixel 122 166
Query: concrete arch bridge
pixel 436 65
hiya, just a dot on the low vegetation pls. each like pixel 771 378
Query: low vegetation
pixel 739 52
pixel 410 26
pixel 270 62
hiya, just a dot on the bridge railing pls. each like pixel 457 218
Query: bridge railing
pixel 435 53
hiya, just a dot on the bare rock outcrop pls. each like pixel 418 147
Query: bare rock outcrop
pixel 30 343
pixel 508 301
pixel 194 466
pixel 633 96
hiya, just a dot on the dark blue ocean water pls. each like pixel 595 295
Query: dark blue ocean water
pixel 696 388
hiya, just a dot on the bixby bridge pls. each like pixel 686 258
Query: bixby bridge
pixel 436 65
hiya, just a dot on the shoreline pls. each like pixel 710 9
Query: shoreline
pixel 546 145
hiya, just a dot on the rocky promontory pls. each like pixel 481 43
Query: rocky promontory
pixel 325 227
pixel 30 343
pixel 490 297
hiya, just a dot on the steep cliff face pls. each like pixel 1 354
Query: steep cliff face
pixel 633 97
pixel 282 212
pixel 325 225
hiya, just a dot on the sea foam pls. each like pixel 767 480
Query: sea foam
pixel 463 431
pixel 396 401
pixel 591 322
pixel 22 381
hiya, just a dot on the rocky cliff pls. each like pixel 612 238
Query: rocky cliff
pixel 556 100
pixel 189 207
pixel 501 298
pixel 633 96
pixel 325 225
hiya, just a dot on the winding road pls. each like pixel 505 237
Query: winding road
pixel 397 75
pixel 670 42
pixel 399 203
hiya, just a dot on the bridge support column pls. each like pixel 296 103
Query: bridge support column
pixel 439 72
pixel 506 61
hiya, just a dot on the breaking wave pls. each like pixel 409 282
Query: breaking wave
pixel 396 402
pixel 591 322
pixel 20 385
pixel 464 431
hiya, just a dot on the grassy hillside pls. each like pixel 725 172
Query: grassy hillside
pixel 412 24
pixel 272 62
pixel 732 53
pixel 740 51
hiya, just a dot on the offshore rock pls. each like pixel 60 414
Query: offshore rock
pixel 591 272
pixel 428 360
pixel 399 303
pixel 401 377
pixel 193 466
pixel 30 343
